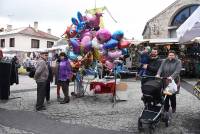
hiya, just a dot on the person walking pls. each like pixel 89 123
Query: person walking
pixel 171 68
pixel 41 76
pixel 64 75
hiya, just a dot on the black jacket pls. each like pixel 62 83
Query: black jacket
pixel 153 66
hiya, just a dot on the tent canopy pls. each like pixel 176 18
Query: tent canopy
pixel 190 28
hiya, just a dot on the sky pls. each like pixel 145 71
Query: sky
pixel 131 15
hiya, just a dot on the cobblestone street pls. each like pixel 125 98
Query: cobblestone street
pixel 97 111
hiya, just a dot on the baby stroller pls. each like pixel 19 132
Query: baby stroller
pixel 153 98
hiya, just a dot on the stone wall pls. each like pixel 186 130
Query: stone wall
pixel 158 27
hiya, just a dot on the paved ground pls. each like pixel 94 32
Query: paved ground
pixel 97 112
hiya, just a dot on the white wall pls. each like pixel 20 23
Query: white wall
pixel 23 42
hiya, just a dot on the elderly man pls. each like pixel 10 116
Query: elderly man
pixel 41 76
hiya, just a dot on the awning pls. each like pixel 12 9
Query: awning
pixel 163 41
pixel 190 28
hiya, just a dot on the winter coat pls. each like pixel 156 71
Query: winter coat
pixel 153 66
pixel 170 68
pixel 42 72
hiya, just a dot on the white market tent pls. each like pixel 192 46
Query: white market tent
pixel 190 28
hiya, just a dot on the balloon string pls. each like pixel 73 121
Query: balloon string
pixel 111 15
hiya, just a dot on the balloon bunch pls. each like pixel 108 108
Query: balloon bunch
pixel 90 43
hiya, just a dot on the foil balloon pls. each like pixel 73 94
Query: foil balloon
pixel 75 45
pixel 115 54
pixel 118 35
pixel 72 56
pixel 103 35
pixel 70 32
pixel 125 51
pixel 124 44
pixel 112 43
pixel 80 23
pixel 96 54
pixel 109 64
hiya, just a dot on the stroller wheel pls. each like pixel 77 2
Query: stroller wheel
pixel 139 125
pixel 167 123
pixel 151 129
pixel 167 119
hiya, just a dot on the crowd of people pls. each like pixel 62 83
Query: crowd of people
pixel 151 65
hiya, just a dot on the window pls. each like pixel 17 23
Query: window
pixel 35 43
pixel 50 44
pixel 2 43
pixel 12 42
pixel 182 16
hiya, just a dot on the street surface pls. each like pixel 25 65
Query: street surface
pixel 91 114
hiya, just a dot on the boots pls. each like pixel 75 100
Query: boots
pixel 66 100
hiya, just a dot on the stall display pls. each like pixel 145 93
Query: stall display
pixel 91 47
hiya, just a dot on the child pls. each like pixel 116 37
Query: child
pixel 144 60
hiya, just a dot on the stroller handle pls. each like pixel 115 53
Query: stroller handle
pixel 148 76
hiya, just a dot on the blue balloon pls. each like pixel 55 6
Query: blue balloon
pixel 72 56
pixel 125 51
pixel 112 43
pixel 118 35
pixel 75 45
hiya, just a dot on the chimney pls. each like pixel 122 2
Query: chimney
pixel 9 28
pixel 36 26
pixel 49 30
pixel 2 29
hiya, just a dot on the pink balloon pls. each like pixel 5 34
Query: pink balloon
pixel 86 40
pixel 109 64
pixel 115 54
pixel 103 35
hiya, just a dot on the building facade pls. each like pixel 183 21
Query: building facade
pixel 26 38
pixel 165 24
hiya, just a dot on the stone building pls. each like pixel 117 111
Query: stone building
pixel 165 24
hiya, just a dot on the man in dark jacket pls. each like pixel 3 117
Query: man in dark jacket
pixel 153 66
pixel 154 63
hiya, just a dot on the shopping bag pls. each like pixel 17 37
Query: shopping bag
pixel 172 87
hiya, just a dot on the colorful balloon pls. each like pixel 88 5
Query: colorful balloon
pixel 125 51
pixel 75 45
pixel 115 54
pixel 109 64
pixel 112 43
pixel 118 35
pixel 72 56
pixel 103 36
pixel 124 44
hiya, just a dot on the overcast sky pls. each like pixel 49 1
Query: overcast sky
pixel 131 15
